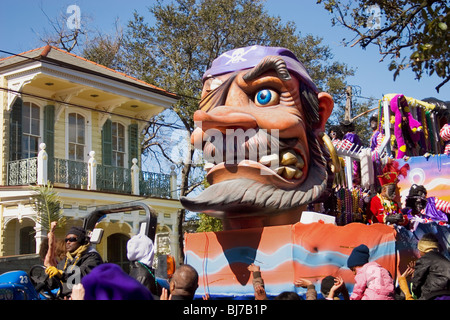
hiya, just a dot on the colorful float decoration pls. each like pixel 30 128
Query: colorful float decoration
pixel 281 187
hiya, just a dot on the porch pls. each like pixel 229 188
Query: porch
pixel 90 176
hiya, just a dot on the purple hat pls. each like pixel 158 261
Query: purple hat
pixel 109 282
pixel 249 57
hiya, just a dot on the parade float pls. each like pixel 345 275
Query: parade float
pixel 286 193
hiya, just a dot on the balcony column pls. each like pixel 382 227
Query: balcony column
pixel 92 172
pixel 42 165
pixel 173 183
pixel 135 177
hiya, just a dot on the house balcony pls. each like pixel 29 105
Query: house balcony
pixel 90 176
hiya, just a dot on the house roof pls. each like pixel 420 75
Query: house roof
pixel 53 55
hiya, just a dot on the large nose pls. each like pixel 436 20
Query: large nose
pixel 221 119
pixel 224 119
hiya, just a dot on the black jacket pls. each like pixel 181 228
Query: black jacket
pixel 146 276
pixel 431 276
pixel 73 275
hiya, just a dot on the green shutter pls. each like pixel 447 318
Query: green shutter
pixel 49 130
pixel 15 130
pixel 133 143
pixel 49 138
pixel 107 143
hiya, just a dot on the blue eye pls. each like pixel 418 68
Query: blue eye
pixel 266 97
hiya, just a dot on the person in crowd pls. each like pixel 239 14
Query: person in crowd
pixel 419 208
pixel 260 292
pixel 348 127
pixel 109 282
pixel 385 207
pixel 377 136
pixel 311 293
pixel 444 133
pixel 140 253
pixel 431 279
pixel 287 295
pixel 403 281
pixel 80 259
pixel 52 250
pixel 352 142
pixel 336 135
pixel 330 288
pixel 183 284
pixel 258 282
pixel 372 281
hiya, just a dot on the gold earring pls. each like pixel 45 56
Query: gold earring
pixel 336 166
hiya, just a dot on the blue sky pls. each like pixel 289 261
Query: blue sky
pixel 22 20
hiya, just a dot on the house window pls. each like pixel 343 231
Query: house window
pixel 77 137
pixel 30 130
pixel 118 144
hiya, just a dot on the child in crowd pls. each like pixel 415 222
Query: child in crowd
pixel 330 288
pixel 372 281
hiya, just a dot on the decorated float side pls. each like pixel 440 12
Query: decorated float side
pixel 293 201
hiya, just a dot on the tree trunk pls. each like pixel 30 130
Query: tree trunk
pixel 183 189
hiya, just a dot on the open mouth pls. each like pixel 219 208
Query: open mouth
pixel 261 157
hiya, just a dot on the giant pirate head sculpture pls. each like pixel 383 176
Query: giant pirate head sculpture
pixel 260 125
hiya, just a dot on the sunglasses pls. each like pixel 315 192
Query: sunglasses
pixel 71 239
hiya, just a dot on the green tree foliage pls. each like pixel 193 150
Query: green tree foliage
pixel 105 49
pixel 207 223
pixel 413 33
pixel 48 207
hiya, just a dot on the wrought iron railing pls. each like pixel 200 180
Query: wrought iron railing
pixel 154 184
pixel 22 172
pixel 114 179
pixel 69 172
pixel 74 174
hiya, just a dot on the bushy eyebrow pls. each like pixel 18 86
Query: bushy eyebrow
pixel 308 97
pixel 274 63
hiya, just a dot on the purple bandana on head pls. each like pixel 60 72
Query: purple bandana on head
pixel 249 57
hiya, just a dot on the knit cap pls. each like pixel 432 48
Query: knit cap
pixel 359 256
pixel 140 248
pixel 427 243
pixel 109 282
pixel 79 232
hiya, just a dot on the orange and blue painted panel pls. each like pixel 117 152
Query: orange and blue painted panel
pixel 284 253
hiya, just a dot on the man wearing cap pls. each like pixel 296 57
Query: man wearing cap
pixel 431 279
pixel 140 253
pixel 420 209
pixel 385 206
pixel 80 259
